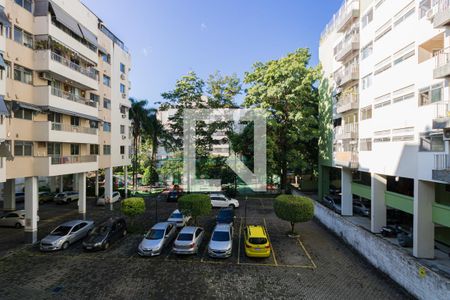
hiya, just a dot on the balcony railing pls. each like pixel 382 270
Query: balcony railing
pixel 441 162
pixel 349 159
pixel 346 74
pixel 346 13
pixel 442 110
pixel 90 72
pixel 71 128
pixel 72 97
pixel 442 57
pixel 347 102
pixel 73 159
pixel 346 46
pixel 348 131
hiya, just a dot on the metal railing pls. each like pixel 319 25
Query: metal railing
pixel 346 45
pixel 442 110
pixel 441 162
pixel 347 128
pixel 442 5
pixel 90 72
pixel 442 57
pixel 73 159
pixel 72 97
pixel 71 128
pixel 348 99
pixel 347 73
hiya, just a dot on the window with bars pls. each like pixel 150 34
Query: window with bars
pixel 106 149
pixel 23 148
pixel 25 114
pixel 431 94
pixel 366 113
pixel 432 142
pixel 23 74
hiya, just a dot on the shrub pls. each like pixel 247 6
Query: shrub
pixel 294 209
pixel 195 205
pixel 133 207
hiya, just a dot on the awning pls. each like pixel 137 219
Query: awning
pixel 65 19
pixel 3 18
pixel 22 105
pixel 2 62
pixel 3 109
pixel 88 35
pixel 70 113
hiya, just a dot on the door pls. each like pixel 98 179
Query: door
pixel 218 202
pixel 74 234
pixel 9 220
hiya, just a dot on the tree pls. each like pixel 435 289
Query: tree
pixel 194 205
pixel 133 207
pixel 286 89
pixel 294 209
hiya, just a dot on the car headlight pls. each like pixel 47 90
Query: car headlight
pixel 98 244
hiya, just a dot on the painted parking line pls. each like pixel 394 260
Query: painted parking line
pixel 307 253
pixel 239 242
pixel 270 243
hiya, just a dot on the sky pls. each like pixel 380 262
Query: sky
pixel 169 38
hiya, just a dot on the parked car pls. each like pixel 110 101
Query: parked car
pixel 157 238
pixel 390 231
pixel 66 197
pixel 221 243
pixel 225 215
pixel 115 197
pixel 405 238
pixel 173 196
pixel 178 218
pixel 188 240
pixel 333 202
pixel 45 197
pixel 14 219
pixel 361 208
pixel 256 241
pixel 66 234
pixel 20 197
pixel 106 233
pixel 220 200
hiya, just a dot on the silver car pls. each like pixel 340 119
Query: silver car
pixel 188 240
pixel 66 234
pixel 157 238
pixel 178 218
pixel 14 219
pixel 221 243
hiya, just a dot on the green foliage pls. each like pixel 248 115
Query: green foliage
pixel 150 176
pixel 133 207
pixel 195 205
pixel 294 209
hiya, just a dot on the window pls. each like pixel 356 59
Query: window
pixel 22 148
pixel 93 124
pixel 431 94
pixel 23 75
pixel 367 51
pixel 54 117
pixel 432 142
pixel 122 150
pixel 8 69
pixel 404 13
pixel 106 149
pixel 107 127
pixel 27 4
pixel 383 30
pixel 122 129
pixel 74 121
pixel 106 58
pixel 94 97
pixel 122 68
pixel 74 149
pixel 383 65
pixel 367 18
pixel 106 80
pixel 367 81
pixel 403 134
pixel 366 144
pixel 93 149
pixel 54 149
pixel 382 140
pixel 106 103
pixel 123 109
pixel 404 54
pixel 22 37
pixel 18 35
pixel 8 32
pixel 25 114
pixel 122 88
pixel 366 113
pixel 404 94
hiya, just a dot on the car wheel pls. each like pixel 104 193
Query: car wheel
pixel 232 206
pixel 18 225
pixel 106 246
pixel 65 245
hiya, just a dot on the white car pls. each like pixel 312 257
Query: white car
pixel 178 218
pixel 14 219
pixel 66 197
pixel 220 200
pixel 115 197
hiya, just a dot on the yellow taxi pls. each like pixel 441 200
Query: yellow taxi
pixel 256 241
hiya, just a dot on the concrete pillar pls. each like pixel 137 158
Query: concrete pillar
pixel 324 181
pixel 82 194
pixel 75 182
pixel 31 208
pixel 109 185
pixel 378 208
pixel 9 195
pixel 423 231
pixel 61 183
pixel 96 184
pixel 125 177
pixel 53 183
pixel 347 196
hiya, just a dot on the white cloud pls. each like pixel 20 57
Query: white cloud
pixel 203 27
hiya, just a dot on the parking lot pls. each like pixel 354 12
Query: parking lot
pixel 315 265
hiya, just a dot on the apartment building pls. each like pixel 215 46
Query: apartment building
pixel 385 131
pixel 64 100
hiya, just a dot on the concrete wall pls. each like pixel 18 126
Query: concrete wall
pixel 399 266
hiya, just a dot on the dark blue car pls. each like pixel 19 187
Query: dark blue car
pixel 173 196
pixel 225 216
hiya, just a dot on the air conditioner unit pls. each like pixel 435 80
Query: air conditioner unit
pixel 124 95
pixel 122 76
pixel 45 76
pixel 432 12
pixel 124 116
pixel 447 134
pixel 124 137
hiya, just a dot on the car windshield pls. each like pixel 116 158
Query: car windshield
pixel 61 230
pixel 221 236
pixel 176 216
pixel 257 241
pixel 155 234
pixel 60 195
pixel 100 230
pixel 185 237
pixel 225 214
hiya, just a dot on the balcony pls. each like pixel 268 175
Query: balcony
pixel 346 47
pixel 441 13
pixel 53 97
pixel 64 133
pixel 347 15
pixel 441 170
pixel 347 103
pixel 348 131
pixel 347 74
pixel 347 159
pixel 63 68
pixel 442 64
pixel 442 116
